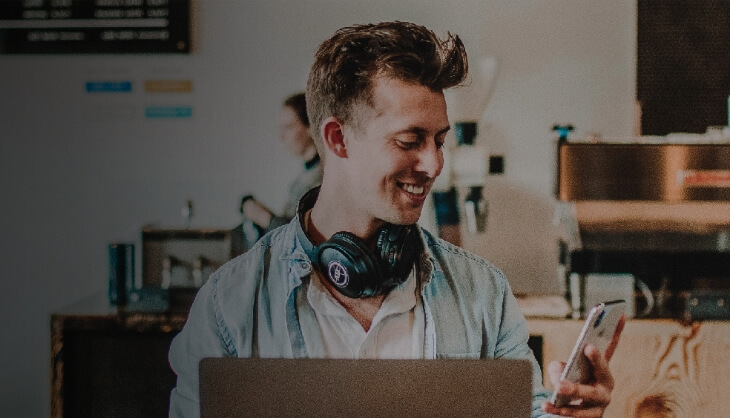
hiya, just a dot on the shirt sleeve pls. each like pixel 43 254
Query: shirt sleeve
pixel 513 337
pixel 202 336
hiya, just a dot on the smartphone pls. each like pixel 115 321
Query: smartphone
pixel 598 329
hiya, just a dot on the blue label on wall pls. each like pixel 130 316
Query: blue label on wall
pixel 169 111
pixel 109 86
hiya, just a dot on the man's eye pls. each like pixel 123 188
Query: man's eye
pixel 408 144
pixel 439 144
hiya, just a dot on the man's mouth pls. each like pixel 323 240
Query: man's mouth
pixel 413 189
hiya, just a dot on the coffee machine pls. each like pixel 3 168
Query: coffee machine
pixel 654 209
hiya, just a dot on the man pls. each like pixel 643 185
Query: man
pixel 352 276
pixel 294 133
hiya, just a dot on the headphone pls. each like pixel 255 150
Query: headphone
pixel 357 271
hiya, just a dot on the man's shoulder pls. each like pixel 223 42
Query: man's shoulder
pixel 247 266
pixel 457 268
pixel 445 253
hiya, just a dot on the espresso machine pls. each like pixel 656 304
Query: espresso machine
pixel 655 210
pixel 177 262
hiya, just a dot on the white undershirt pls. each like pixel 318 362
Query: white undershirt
pixel 396 332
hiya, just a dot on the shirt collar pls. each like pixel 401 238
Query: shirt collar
pixel 305 203
pixel 400 299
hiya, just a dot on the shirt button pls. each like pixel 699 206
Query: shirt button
pixel 304 265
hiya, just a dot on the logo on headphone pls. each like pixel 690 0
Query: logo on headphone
pixel 338 273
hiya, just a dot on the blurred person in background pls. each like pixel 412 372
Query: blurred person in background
pixel 257 218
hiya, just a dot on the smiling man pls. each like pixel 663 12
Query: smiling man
pixel 353 276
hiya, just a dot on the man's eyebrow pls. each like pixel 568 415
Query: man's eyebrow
pixel 423 132
pixel 444 130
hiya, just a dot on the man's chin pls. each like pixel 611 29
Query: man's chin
pixel 407 218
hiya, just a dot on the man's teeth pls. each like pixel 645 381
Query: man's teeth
pixel 414 189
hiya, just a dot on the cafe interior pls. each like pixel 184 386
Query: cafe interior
pixel 591 163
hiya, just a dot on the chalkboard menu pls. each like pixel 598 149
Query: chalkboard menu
pixel 94 26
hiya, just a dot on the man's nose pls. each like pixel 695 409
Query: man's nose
pixel 430 160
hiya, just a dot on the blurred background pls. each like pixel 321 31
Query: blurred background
pixel 83 168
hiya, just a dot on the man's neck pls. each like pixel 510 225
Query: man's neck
pixel 331 214
pixel 362 309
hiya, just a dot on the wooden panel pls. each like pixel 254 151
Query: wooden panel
pixel 662 368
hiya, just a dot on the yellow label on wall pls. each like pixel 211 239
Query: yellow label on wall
pixel 168 86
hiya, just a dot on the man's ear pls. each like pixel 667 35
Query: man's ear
pixel 333 133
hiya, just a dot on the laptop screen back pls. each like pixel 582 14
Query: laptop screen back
pixel 236 387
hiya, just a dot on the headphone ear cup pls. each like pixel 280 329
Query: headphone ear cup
pixel 348 263
pixel 399 245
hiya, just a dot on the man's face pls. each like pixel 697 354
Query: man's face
pixel 292 132
pixel 395 151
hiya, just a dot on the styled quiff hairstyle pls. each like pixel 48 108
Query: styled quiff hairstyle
pixel 345 66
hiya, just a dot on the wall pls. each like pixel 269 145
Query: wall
pixel 80 171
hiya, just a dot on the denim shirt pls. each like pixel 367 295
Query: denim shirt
pixel 247 308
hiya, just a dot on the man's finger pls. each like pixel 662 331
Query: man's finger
pixel 574 411
pixel 590 395
pixel 601 372
pixel 616 336
pixel 555 369
pixel 576 391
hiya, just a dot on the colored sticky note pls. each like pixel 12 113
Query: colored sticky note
pixel 108 86
pixel 168 86
pixel 168 112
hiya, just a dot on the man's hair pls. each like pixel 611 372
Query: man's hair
pixel 346 64
pixel 298 104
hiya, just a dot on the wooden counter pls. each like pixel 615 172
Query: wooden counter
pixel 106 362
pixel 661 367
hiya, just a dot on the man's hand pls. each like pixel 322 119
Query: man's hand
pixel 257 213
pixel 593 397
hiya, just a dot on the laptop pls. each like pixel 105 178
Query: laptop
pixel 241 387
